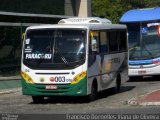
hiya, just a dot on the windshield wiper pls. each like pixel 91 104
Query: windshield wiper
pixel 133 49
pixel 64 60
pixel 147 50
pixel 62 57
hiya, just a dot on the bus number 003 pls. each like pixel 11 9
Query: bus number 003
pixel 60 79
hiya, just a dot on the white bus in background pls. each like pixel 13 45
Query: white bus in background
pixel 143 41
pixel 76 57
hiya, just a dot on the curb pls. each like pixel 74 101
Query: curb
pixel 8 91
pixel 9 84
pixel 136 102
pixel 140 101
pixel 10 78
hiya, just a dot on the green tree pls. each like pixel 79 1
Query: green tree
pixel 114 9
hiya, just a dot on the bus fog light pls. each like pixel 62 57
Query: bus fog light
pixel 79 91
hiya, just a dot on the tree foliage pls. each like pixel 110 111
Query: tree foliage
pixel 33 6
pixel 114 9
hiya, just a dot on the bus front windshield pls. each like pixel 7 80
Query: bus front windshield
pixel 54 48
pixel 144 43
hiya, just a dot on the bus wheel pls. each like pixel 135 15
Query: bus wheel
pixel 118 84
pixel 38 99
pixel 93 95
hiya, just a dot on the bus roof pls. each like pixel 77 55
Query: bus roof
pixel 81 26
pixel 141 15
pixel 92 23
pixel 85 20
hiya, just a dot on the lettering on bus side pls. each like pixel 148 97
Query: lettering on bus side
pixel 115 60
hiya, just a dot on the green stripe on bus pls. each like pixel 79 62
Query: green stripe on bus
pixel 79 89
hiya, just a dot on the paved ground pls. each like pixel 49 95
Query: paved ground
pixel 150 98
pixel 15 102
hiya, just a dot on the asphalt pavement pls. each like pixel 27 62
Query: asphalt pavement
pixel 13 84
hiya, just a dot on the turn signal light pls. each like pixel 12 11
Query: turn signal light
pixel 27 78
pixel 79 77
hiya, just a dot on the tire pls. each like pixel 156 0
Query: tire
pixel 93 95
pixel 38 99
pixel 118 85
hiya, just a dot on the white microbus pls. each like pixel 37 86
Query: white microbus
pixel 76 57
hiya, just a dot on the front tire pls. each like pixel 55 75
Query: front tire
pixel 93 95
pixel 118 85
pixel 38 99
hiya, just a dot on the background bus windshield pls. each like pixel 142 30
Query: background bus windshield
pixel 144 42
pixel 54 48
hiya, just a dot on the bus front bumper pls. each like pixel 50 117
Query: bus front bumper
pixel 79 89
pixel 144 71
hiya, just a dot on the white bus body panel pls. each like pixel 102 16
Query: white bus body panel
pixel 105 70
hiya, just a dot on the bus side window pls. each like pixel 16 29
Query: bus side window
pixel 122 41
pixel 94 43
pixel 113 42
pixel 103 42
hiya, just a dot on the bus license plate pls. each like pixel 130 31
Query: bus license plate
pixel 51 87
pixel 142 72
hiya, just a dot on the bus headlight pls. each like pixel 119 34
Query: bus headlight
pixel 27 78
pixel 79 77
